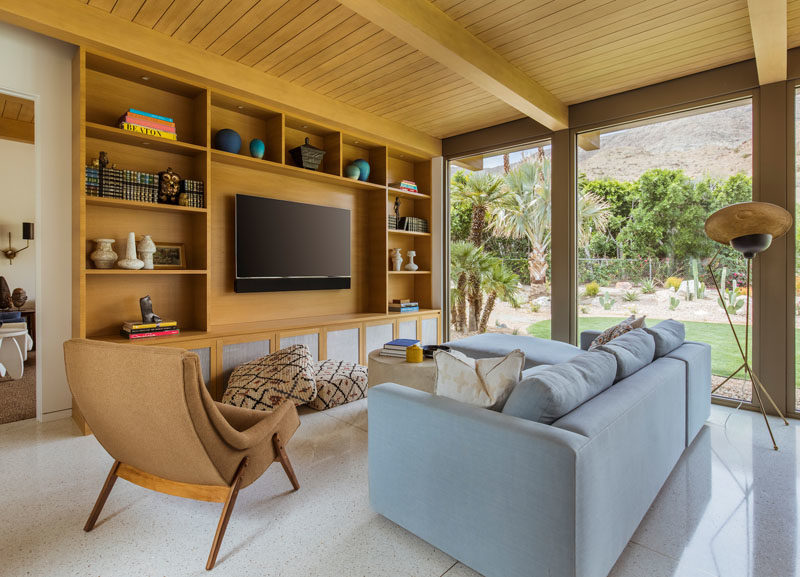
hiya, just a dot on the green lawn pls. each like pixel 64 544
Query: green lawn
pixel 725 356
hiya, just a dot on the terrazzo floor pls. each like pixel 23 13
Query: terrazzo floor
pixel 729 509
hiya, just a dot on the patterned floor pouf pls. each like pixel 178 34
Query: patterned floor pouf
pixel 338 382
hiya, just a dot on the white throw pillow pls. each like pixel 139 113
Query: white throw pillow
pixel 480 382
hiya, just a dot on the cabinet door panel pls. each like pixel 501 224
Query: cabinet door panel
pixel 310 340
pixel 342 344
pixel 236 354
pixel 407 329
pixel 378 335
pixel 430 331
pixel 205 363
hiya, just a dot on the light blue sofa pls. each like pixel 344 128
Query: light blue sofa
pixel 511 497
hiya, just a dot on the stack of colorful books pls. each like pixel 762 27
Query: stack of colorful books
pixel 397 347
pixel 403 306
pixel 405 185
pixel 140 330
pixel 147 123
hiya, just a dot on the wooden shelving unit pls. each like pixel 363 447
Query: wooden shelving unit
pixel 201 297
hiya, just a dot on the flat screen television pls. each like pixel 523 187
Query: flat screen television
pixel 286 246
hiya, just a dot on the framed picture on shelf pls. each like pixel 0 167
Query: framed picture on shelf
pixel 169 256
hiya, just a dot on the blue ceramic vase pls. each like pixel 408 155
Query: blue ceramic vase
pixel 257 148
pixel 352 171
pixel 228 140
pixel 363 166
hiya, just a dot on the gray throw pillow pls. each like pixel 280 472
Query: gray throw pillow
pixel 550 392
pixel 633 351
pixel 668 335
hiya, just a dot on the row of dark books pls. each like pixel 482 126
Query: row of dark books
pixel 410 223
pixel 140 330
pixel 192 193
pixel 125 184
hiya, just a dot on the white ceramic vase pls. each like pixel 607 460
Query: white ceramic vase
pixel 411 264
pixel 145 249
pixel 130 262
pixel 397 259
pixel 103 255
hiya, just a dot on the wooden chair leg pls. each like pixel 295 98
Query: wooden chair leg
pixel 101 498
pixel 280 455
pixel 227 509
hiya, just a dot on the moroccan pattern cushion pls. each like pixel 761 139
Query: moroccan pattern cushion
pixel 611 333
pixel 339 382
pixel 267 382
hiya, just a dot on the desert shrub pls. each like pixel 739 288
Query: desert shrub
pixel 536 307
pixel 673 283
pixel 673 302
pixel 631 295
pixel 592 289
pixel 585 310
pixel 648 287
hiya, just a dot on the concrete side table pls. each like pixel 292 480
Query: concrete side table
pixel 420 376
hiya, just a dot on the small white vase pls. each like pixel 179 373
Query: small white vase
pixel 103 255
pixel 411 264
pixel 397 259
pixel 130 262
pixel 145 249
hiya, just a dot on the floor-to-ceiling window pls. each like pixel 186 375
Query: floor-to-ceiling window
pixel 797 252
pixel 499 242
pixel 645 190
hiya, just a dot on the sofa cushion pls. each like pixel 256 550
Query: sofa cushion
pixel 617 330
pixel 633 351
pixel 537 351
pixel 668 336
pixel 267 382
pixel 551 392
pixel 480 382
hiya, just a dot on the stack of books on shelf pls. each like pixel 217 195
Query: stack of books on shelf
pixel 124 184
pixel 413 224
pixel 406 185
pixel 146 123
pixel 403 306
pixel 92 181
pixel 392 220
pixel 397 347
pixel 192 193
pixel 140 330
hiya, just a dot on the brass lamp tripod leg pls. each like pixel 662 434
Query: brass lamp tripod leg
pixel 756 384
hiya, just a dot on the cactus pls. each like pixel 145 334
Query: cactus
pixel 673 302
pixel 606 301
pixel 699 290
pixel 732 301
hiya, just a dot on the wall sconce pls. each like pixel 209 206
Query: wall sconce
pixel 27 236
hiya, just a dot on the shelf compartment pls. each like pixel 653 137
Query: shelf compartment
pixel 120 203
pixel 416 285
pixel 251 121
pixel 375 154
pixel 123 272
pixel 297 130
pixel 403 166
pixel 113 134
pixel 287 169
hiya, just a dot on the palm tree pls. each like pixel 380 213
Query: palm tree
pixel 498 282
pixel 525 212
pixel 465 261
pixel 480 190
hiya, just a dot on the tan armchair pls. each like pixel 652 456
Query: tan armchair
pixel 149 408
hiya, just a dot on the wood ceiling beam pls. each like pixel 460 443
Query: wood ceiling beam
pixel 770 38
pixel 17 130
pixel 423 26
pixel 589 140
pixel 78 23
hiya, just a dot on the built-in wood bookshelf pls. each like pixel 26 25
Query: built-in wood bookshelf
pixel 201 297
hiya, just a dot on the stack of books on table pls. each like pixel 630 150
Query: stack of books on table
pixel 397 347
pixel 147 123
pixel 406 185
pixel 403 306
pixel 140 330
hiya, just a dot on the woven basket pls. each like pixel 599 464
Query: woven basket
pixel 307 156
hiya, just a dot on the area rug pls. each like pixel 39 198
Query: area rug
pixel 18 398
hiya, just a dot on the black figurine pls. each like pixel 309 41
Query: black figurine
pixel 103 161
pixel 397 209
pixel 148 316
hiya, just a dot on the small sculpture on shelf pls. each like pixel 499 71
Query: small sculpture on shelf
pixel 5 295
pixel 397 259
pixel 148 316
pixel 145 249
pixel 412 266
pixel 102 162
pixel 19 297
pixel 352 171
pixel 397 210
pixel 363 167
pixel 228 140
pixel 103 255
pixel 169 187
pixel 130 262
pixel 257 148
pixel 307 156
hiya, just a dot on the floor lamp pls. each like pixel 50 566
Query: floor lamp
pixel 748 227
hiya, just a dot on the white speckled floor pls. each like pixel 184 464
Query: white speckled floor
pixel 729 509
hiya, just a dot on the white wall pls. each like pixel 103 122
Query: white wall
pixel 18 205
pixel 40 68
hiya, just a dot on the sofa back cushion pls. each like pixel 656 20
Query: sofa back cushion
pixel 633 351
pixel 537 351
pixel 668 336
pixel 548 393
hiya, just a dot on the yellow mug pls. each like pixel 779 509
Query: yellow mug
pixel 414 354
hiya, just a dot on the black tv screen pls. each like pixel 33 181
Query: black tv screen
pixel 282 245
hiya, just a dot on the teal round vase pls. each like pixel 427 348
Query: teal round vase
pixel 257 148
pixel 352 171
pixel 363 167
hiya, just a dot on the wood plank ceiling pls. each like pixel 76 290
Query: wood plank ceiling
pixel 577 49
